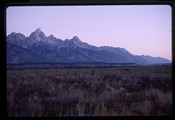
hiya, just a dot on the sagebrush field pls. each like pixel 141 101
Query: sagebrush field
pixel 120 91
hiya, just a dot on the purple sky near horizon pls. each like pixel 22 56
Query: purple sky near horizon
pixel 141 29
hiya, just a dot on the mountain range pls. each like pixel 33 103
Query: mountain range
pixel 39 48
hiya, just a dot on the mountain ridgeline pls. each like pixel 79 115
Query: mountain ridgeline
pixel 38 48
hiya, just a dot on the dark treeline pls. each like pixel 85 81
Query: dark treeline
pixel 66 65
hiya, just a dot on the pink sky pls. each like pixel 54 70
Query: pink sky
pixel 141 29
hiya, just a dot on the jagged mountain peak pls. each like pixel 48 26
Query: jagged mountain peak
pixel 76 38
pixel 76 42
pixel 51 37
pixel 15 37
pixel 37 35
pixel 15 34
pixel 69 50
pixel 38 30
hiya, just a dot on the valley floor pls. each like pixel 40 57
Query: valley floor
pixel 123 91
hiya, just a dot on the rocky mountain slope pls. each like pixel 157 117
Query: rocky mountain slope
pixel 41 48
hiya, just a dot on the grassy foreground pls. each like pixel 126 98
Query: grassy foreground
pixel 124 91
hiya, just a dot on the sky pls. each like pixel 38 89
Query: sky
pixel 141 29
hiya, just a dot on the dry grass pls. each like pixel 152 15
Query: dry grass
pixel 125 91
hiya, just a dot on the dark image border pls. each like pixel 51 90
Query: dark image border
pixel 6 3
